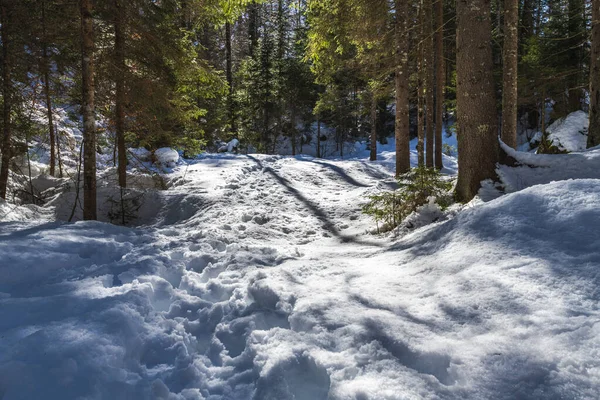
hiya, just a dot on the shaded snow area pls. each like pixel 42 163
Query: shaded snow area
pixel 256 280
pixel 535 169
pixel 570 133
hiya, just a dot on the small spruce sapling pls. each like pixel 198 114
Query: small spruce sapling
pixel 389 209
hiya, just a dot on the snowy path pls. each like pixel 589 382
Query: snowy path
pixel 257 281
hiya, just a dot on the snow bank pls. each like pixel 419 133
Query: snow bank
pixel 166 157
pixel 570 133
pixel 545 168
pixel 141 154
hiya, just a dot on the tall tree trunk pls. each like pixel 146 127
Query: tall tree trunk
pixel 421 89
pixel 89 123
pixel 229 75
pixel 440 82
pixel 509 89
pixel 46 79
pixel 120 93
pixel 373 155
pixel 429 81
pixel 594 131
pixel 476 104
pixel 7 97
pixel 576 34
pixel 402 123
pixel 318 138
pixel 253 27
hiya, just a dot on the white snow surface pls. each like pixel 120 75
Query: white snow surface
pixel 166 157
pixel 570 133
pixel 257 281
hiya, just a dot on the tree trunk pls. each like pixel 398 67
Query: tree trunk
pixel 476 106
pixel 89 123
pixel 421 89
pixel 318 138
pixel 46 81
pixel 373 155
pixel 594 131
pixel 402 126
pixel 229 76
pixel 440 82
pixel 7 97
pixel 120 93
pixel 509 89
pixel 429 81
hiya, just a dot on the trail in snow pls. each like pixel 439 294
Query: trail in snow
pixel 257 281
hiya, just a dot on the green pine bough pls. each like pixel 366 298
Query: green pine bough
pixel 415 188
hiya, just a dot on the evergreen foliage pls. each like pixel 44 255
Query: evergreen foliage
pixel 415 188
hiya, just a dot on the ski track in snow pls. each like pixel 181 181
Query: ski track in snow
pixel 257 281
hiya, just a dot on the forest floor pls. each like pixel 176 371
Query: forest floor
pixel 256 278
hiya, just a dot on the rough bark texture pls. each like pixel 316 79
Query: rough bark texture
pixel 429 81
pixel 229 76
pixel 402 89
pixel 7 96
pixel 373 155
pixel 476 106
pixel 421 90
pixel 510 61
pixel 120 93
pixel 440 82
pixel 89 123
pixel 594 131
pixel 318 138
pixel 46 86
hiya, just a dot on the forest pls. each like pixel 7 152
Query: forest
pixel 299 199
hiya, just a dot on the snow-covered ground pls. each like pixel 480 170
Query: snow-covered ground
pixel 255 279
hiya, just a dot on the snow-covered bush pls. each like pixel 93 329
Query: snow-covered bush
pixel 416 188
pixel 166 157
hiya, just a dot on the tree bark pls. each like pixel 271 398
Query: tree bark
pixel 318 138
pixel 594 131
pixel 46 82
pixel 478 147
pixel 229 76
pixel 402 123
pixel 440 82
pixel 373 155
pixel 421 89
pixel 120 93
pixel 89 123
pixel 7 97
pixel 429 81
pixel 509 89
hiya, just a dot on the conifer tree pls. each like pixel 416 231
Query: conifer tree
pixel 476 105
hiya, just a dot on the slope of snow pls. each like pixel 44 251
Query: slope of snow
pixel 538 169
pixel 570 133
pixel 256 280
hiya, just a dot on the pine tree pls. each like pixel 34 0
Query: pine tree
pixel 402 123
pixel 440 65
pixel 89 121
pixel 510 65
pixel 7 93
pixel 594 131
pixel 476 105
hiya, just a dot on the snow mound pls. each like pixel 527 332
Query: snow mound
pixel 166 157
pixel 141 154
pixel 570 133
pixel 538 169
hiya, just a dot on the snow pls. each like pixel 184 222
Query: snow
pixel 253 277
pixel 570 133
pixel 166 157
pixel 538 169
